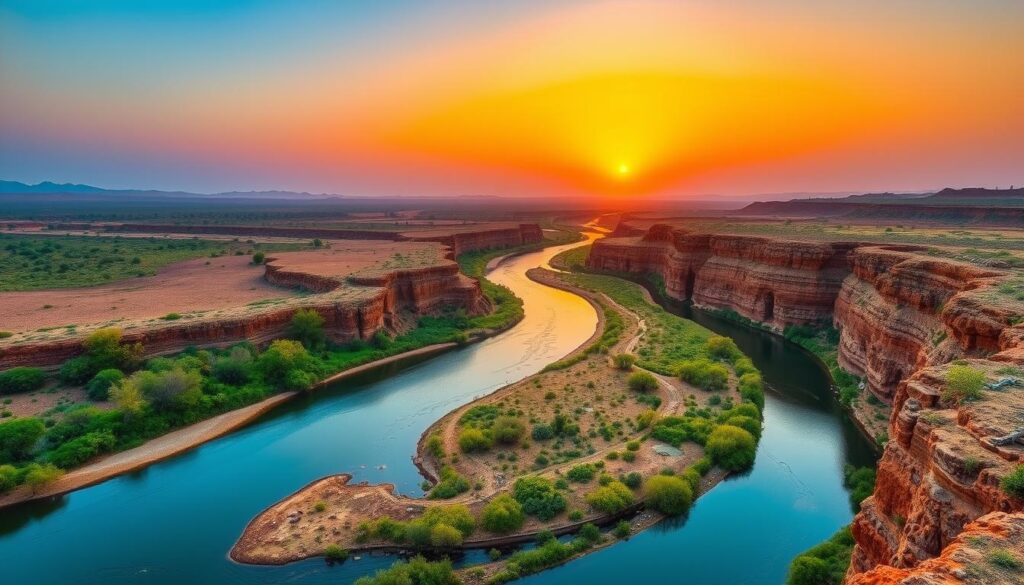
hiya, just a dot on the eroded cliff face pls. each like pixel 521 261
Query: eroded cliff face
pixel 903 316
pixel 353 308
pixel 774 282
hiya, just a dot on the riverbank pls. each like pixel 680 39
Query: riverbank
pixel 187 438
pixel 610 441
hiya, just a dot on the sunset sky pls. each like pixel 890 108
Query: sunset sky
pixel 525 98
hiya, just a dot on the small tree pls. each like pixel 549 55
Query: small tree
pixel 99 387
pixel 642 382
pixel 18 437
pixel 502 515
pixel 258 258
pixel 624 361
pixel 731 448
pixel 539 497
pixel 127 395
pixel 473 440
pixel 669 495
pixel 40 475
pixel 174 388
pixel 307 327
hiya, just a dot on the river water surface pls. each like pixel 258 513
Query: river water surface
pixel 175 521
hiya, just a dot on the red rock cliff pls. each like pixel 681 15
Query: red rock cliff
pixel 902 316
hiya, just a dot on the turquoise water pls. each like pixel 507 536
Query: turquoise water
pixel 175 521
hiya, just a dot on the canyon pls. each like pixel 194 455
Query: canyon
pixel 400 281
pixel 903 316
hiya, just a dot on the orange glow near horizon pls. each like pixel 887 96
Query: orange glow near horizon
pixel 607 99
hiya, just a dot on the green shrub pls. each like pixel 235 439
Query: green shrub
pixel 435 446
pixel 169 390
pixel 670 495
pixel 9 477
pixel 287 365
pixel 539 497
pixel 103 350
pixel 622 529
pixel 37 475
pixel 860 481
pixel 642 382
pixel 629 456
pixel 335 553
pixel 824 564
pixel 963 383
pixel 451 485
pixel 542 432
pixel 236 368
pixel 442 535
pixel 502 515
pixel 171 317
pixel 705 374
pixel 590 533
pixel 692 476
pixel 744 366
pixel 632 479
pixel 507 430
pixel 473 440
pixel 752 426
pixel 21 379
pixel 307 327
pixel 624 361
pixel 99 387
pixel 722 348
pixel 731 448
pixel 611 499
pixel 1012 484
pixel 18 437
pixel 581 473
pixel 675 430
pixel 417 571
pixel 752 388
pixel 258 257
pixel 79 450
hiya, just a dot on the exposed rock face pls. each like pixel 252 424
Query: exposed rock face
pixel 771 281
pixel 375 302
pixel 969 559
pixel 902 316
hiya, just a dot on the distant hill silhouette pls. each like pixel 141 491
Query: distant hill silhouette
pixel 51 188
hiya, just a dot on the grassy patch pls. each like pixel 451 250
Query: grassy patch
pixel 40 262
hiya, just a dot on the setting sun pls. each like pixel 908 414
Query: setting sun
pixel 623 169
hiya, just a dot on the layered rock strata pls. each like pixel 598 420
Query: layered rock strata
pixel 903 317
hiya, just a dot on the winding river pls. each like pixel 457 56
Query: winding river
pixel 174 521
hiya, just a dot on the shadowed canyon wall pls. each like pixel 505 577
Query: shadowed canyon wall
pixel 903 316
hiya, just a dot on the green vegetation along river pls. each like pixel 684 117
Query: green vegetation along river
pixel 175 521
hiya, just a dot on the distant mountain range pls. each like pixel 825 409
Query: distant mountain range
pixel 50 188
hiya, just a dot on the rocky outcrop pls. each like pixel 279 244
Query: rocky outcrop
pixel 354 308
pixel 983 553
pixel 903 317
pixel 774 282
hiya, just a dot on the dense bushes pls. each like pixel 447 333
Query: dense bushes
pixel 542 432
pixel 539 497
pixel 731 448
pixel 21 379
pixel 642 382
pixel 502 515
pixel 704 373
pixel 18 437
pixel 752 388
pixel 103 350
pixel 440 526
pixel 624 361
pixel 307 327
pixel 668 494
pixel 825 564
pixel 99 387
pixel 79 450
pixel 451 485
pixel 581 473
pixel 611 498
pixel 417 571
pixel 861 483
pixel 675 430
pixel 722 348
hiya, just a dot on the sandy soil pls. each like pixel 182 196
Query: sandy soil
pixel 194 285
pixel 181 440
pixel 361 258
pixel 39 401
